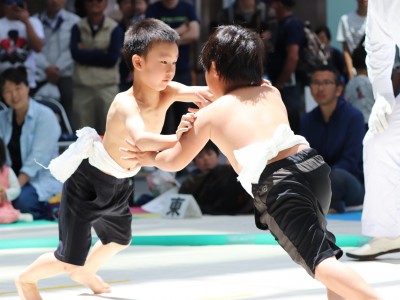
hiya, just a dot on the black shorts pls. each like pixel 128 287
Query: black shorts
pixel 91 198
pixel 291 200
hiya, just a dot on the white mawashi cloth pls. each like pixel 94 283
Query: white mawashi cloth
pixel 63 166
pixel 253 158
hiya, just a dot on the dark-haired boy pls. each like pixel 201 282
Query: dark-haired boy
pixel 97 184
pixel 288 180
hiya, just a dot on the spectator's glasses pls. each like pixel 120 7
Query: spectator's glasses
pixel 11 2
pixel 325 83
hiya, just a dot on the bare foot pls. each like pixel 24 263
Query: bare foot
pixel 27 291
pixel 94 282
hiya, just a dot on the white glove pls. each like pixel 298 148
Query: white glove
pixel 377 120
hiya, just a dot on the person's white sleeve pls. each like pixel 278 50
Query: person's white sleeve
pixel 380 49
pixel 340 36
pixel 14 190
pixel 38 27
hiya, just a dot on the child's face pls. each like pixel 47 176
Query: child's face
pixel 323 38
pixel 15 95
pixel 159 65
pixel 206 160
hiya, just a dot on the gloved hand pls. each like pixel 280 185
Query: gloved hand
pixel 377 120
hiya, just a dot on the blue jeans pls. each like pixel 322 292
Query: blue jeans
pixel 28 202
pixel 347 190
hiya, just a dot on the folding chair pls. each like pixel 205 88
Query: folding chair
pixel 68 136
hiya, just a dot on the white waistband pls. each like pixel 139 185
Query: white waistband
pixel 88 145
pixel 253 158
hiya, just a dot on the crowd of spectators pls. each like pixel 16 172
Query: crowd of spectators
pixel 71 52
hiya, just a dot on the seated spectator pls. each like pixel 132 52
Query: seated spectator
pixel 336 57
pixel 31 132
pixel 54 65
pixel 215 187
pixel 358 90
pixel 336 130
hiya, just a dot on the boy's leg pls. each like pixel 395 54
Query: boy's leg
pixel 342 280
pixel 113 229
pixel 46 265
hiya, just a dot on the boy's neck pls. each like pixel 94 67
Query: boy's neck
pixel 145 98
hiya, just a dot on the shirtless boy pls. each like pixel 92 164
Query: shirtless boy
pixel 97 185
pixel 288 180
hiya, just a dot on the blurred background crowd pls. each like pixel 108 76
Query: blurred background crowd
pixel 61 67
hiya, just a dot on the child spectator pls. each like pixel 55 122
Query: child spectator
pixel 358 90
pixel 214 186
pixel 9 190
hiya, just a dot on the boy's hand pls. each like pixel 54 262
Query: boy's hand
pixel 138 157
pixel 205 98
pixel 185 125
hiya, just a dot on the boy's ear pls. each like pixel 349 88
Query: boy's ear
pixel 137 62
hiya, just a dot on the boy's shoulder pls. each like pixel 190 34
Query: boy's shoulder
pixel 124 95
pixel 123 99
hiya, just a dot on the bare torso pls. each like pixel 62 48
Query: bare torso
pixel 150 119
pixel 249 121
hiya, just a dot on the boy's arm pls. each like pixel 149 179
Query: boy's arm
pixel 149 141
pixel 200 95
pixel 183 152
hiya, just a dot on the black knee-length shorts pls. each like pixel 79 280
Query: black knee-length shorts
pixel 291 200
pixel 91 198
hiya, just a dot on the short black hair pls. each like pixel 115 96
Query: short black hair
pixel 211 146
pixel 14 74
pixel 140 37
pixel 328 68
pixel 324 29
pixel 358 57
pixel 238 54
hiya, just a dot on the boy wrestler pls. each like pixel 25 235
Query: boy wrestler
pixel 97 185
pixel 288 180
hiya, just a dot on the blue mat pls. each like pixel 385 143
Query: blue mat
pixel 348 216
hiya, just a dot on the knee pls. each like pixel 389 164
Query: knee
pixel 123 247
pixel 23 277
